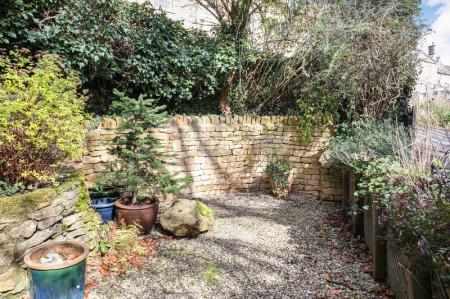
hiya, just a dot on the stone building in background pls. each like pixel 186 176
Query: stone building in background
pixel 189 12
pixel 433 82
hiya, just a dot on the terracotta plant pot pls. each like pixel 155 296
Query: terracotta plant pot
pixel 57 280
pixel 144 215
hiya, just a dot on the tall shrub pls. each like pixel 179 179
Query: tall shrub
pixel 124 45
pixel 41 118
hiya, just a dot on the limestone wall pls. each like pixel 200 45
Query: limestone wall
pixel 31 219
pixel 227 153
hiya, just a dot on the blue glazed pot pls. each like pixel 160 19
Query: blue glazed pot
pixel 61 280
pixel 104 206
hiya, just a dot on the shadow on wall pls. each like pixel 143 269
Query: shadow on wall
pixel 223 153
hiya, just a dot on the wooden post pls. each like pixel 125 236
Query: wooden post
pixel 418 280
pixel 345 176
pixel 379 247
pixel 374 238
pixel 407 278
pixel 358 219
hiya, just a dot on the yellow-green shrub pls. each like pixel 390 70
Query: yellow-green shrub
pixel 41 118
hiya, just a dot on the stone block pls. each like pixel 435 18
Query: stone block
pixel 97 153
pixel 6 254
pixel 90 160
pixel 24 230
pixel 46 213
pixel 3 238
pixel 6 285
pixel 38 238
pixel 69 220
pixel 77 225
pixel 239 152
pixel 64 197
pixel 75 233
pixel 102 167
pixel 46 223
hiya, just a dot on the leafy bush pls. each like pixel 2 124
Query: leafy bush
pixel 279 175
pixel 335 60
pixel 141 171
pixel 434 114
pixel 124 45
pixel 366 139
pixel 7 189
pixel 119 247
pixel 41 118
pixel 415 208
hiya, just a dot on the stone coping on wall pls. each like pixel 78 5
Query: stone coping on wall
pixel 30 219
pixel 225 153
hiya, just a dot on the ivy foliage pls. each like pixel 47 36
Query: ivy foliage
pixel 41 118
pixel 123 45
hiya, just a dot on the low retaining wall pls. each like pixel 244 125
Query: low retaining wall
pixel 31 219
pixel 227 153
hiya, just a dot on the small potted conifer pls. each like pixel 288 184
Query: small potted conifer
pixel 141 176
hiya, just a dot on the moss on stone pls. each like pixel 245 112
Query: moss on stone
pixel 18 206
pixel 84 200
pixel 92 225
pixel 204 209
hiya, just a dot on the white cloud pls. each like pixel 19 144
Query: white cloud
pixel 440 34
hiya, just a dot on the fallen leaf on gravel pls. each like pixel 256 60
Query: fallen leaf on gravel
pixel 363 247
pixel 368 268
pixel 328 277
pixel 331 293
pixel 312 258
pixel 339 257
pixel 89 284
pixel 389 294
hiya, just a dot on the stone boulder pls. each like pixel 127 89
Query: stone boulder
pixel 187 218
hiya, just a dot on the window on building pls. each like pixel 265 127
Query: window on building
pixel 162 4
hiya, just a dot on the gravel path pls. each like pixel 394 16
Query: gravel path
pixel 259 247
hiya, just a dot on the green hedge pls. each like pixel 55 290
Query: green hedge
pixel 123 45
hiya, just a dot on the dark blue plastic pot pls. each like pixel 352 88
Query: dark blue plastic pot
pixel 104 206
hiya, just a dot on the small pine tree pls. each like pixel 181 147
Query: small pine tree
pixel 141 172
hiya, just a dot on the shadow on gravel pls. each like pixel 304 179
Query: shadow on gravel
pixel 260 247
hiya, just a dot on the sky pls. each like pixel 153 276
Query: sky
pixel 436 13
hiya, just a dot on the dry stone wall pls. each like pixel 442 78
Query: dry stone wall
pixel 31 219
pixel 224 153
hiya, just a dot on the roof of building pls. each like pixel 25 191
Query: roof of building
pixel 425 58
pixel 443 69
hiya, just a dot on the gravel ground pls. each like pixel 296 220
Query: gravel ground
pixel 259 247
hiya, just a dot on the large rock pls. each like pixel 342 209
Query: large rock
pixel 187 218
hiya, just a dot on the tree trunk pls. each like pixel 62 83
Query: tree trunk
pixel 225 94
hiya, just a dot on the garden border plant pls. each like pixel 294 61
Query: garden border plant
pixel 41 120
pixel 407 186
pixel 280 175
